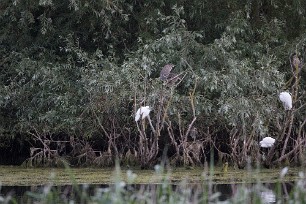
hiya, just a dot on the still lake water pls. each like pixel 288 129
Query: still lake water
pixel 17 181
pixel 226 191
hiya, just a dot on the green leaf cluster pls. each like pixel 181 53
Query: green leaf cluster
pixel 80 67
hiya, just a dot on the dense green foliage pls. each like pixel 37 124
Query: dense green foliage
pixel 73 73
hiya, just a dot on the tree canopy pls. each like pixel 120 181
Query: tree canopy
pixel 77 71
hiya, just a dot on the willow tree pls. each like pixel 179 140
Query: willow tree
pixel 76 71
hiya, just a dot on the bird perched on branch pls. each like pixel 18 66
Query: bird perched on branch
pixel 296 64
pixel 143 111
pixel 267 142
pixel 170 79
pixel 166 71
pixel 286 98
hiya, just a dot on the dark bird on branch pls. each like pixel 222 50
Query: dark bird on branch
pixel 165 72
pixel 296 64
pixel 170 79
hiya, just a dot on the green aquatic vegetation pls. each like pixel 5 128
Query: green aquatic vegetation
pixel 173 185
pixel 12 175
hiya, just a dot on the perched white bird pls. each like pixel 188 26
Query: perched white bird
pixel 143 111
pixel 267 142
pixel 286 98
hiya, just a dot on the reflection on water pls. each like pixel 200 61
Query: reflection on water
pixel 268 196
pixel 265 191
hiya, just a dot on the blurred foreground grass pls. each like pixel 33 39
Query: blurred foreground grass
pixel 173 185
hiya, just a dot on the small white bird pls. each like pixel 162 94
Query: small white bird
pixel 286 98
pixel 267 142
pixel 143 111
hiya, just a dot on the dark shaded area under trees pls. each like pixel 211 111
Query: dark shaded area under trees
pixel 73 73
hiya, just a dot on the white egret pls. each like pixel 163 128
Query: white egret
pixel 267 142
pixel 143 111
pixel 286 98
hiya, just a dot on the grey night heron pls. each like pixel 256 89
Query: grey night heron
pixel 170 79
pixel 165 73
pixel 296 64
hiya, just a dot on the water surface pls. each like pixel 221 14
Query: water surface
pixel 17 180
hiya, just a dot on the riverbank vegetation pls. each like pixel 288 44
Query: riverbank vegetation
pixel 124 186
pixel 73 74
pixel 20 176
